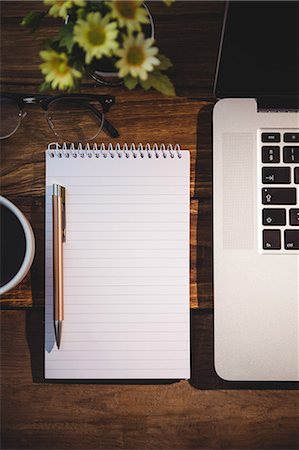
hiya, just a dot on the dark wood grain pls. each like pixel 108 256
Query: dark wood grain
pixel 39 415
pixel 194 27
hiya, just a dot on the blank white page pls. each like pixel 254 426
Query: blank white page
pixel 126 265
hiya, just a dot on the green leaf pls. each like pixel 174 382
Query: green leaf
pixel 32 20
pixel 161 83
pixel 45 86
pixel 130 82
pixel 81 13
pixel 165 62
pixel 65 37
pixel 146 84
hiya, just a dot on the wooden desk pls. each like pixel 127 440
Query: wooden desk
pixel 36 415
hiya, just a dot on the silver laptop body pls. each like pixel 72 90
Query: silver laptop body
pixel 256 193
pixel 256 290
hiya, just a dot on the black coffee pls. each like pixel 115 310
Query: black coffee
pixel 12 245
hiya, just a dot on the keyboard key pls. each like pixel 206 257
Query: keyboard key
pixel 270 154
pixel 274 217
pixel 270 137
pixel 276 175
pixel 271 240
pixel 291 137
pixel 279 196
pixel 291 154
pixel 296 175
pixel 294 217
pixel 291 239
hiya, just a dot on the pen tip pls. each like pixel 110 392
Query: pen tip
pixel 58 332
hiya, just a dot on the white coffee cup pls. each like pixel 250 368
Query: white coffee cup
pixel 29 246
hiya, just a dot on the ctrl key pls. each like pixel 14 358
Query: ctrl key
pixel 271 240
pixel 291 239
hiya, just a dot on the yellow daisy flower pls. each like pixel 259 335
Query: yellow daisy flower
pixel 129 13
pixel 137 57
pixel 96 36
pixel 59 8
pixel 57 71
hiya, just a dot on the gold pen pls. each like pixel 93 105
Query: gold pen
pixel 58 205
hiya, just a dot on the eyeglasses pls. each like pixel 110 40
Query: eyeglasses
pixel 73 117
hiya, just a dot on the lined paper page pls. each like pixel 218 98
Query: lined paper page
pixel 126 268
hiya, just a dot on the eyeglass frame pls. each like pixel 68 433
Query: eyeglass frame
pixel 22 99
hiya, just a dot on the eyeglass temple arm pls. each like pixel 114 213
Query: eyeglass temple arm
pixel 110 129
pixel 107 126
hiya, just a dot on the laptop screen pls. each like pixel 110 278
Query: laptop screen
pixel 259 55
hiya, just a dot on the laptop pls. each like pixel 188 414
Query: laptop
pixel 256 193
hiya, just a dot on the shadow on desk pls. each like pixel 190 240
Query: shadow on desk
pixel 35 340
pixel 35 314
pixel 203 374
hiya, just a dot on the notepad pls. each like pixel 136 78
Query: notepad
pixel 126 263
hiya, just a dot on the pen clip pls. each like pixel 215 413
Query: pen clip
pixel 59 191
pixel 63 215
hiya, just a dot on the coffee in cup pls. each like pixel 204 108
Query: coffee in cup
pixel 17 245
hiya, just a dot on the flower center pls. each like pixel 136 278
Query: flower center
pixel 60 65
pixel 96 36
pixel 126 9
pixel 135 56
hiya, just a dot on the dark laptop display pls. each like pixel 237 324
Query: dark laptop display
pixel 255 194
pixel 260 47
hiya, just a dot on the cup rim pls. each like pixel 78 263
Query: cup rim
pixel 29 243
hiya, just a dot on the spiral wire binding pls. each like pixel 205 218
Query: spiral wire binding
pixel 118 151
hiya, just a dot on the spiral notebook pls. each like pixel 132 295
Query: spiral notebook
pixel 125 263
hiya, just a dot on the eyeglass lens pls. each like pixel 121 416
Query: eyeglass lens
pixel 75 119
pixel 10 116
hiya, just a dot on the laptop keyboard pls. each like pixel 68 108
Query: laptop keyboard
pixel 279 193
